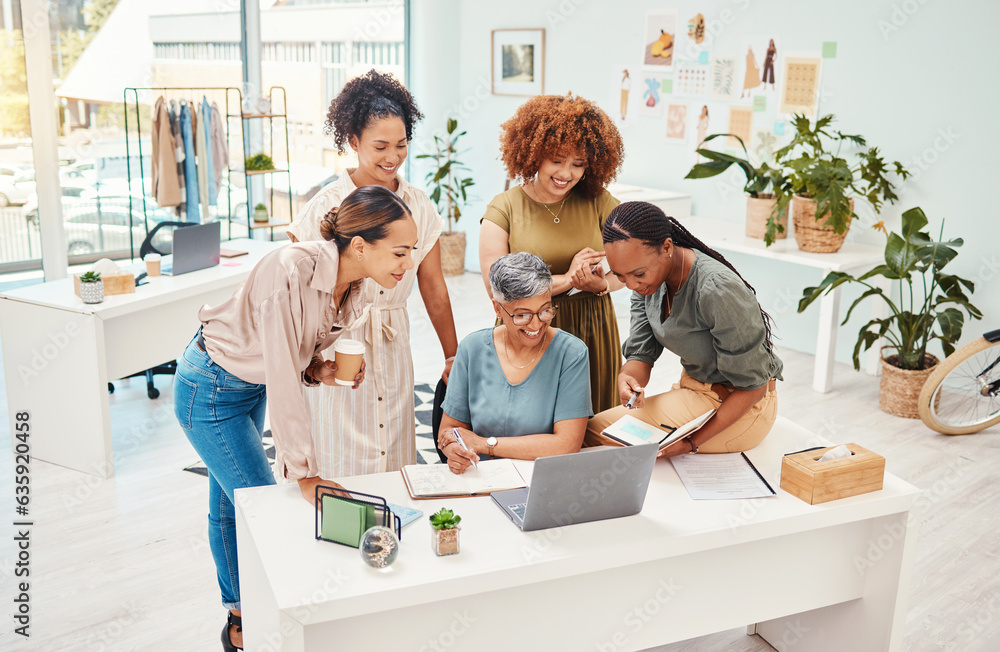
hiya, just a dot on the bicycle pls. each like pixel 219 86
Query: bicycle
pixel 962 396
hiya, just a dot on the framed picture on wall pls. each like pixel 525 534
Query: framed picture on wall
pixel 517 62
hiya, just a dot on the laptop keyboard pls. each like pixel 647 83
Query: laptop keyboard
pixel 519 509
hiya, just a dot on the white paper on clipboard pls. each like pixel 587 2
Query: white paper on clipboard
pixel 603 264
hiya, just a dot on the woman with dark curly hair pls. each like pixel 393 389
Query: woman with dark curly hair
pixel 564 150
pixel 372 430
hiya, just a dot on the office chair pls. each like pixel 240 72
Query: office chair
pixel 163 246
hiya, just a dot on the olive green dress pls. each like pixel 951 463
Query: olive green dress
pixel 533 228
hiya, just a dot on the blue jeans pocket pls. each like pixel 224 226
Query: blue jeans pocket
pixel 184 393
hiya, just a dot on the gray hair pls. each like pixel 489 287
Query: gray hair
pixel 519 276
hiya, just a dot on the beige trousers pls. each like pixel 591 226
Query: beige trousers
pixel 687 400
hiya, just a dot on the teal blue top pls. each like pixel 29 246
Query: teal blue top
pixel 479 394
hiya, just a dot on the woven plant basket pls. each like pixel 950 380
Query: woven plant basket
pixel 899 389
pixel 758 210
pixel 810 235
pixel 453 253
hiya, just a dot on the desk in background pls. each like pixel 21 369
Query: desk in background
pixel 828 577
pixel 59 353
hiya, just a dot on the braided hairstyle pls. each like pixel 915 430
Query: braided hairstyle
pixel 648 224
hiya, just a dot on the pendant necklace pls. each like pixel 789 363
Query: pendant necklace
pixel 555 216
pixel 511 361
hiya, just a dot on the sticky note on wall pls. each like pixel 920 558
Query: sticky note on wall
pixel 703 56
pixel 779 128
pixel 759 103
pixel 829 49
pixel 667 86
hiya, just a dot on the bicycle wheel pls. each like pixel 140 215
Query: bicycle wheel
pixel 962 396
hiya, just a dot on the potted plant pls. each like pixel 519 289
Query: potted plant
pixel 821 185
pixel 448 192
pixel 444 532
pixel 760 204
pixel 915 262
pixel 260 213
pixel 258 163
pixel 91 287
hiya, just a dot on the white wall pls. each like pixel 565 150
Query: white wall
pixel 906 72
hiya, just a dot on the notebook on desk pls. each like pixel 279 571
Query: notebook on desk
pixel 195 247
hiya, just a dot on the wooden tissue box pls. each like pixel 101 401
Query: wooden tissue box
pixel 820 482
pixel 120 283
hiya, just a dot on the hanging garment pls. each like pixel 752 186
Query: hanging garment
pixel 163 169
pixel 201 154
pixel 220 146
pixel 175 130
pixel 206 123
pixel 190 172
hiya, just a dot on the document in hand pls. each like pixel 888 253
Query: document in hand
pixel 435 480
pixel 632 432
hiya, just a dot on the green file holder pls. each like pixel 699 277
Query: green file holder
pixel 344 516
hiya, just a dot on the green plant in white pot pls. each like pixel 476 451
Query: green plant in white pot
pixel 928 306
pixel 260 213
pixel 760 203
pixel 91 287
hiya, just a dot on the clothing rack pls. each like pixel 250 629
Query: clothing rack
pixel 232 97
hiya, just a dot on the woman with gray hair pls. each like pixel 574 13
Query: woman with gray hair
pixel 520 389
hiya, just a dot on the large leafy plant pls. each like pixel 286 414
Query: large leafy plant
pixel 814 168
pixel 914 261
pixel 448 186
pixel 759 178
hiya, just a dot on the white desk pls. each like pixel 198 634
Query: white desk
pixel 726 235
pixel 59 353
pixel 674 204
pixel 826 577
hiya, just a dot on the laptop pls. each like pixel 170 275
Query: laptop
pixel 591 485
pixel 195 247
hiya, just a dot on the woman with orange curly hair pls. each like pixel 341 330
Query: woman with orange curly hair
pixel 564 150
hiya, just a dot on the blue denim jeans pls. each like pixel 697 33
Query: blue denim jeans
pixel 223 418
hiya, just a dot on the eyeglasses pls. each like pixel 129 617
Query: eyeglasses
pixel 523 318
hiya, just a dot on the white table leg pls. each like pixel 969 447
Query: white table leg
pixel 879 311
pixel 873 622
pixel 826 341
pixel 55 369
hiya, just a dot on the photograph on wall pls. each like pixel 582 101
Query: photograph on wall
pixel 706 119
pixel 651 100
pixel 690 80
pixel 800 87
pixel 659 40
pixel 752 82
pixel 518 61
pixel 740 124
pixel 725 81
pixel 624 93
pixel 695 36
pixel 677 123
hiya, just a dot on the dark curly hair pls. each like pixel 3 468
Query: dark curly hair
pixel 548 125
pixel 372 96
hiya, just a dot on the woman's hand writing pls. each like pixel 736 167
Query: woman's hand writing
pixel 459 459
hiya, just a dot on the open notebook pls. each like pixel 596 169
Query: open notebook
pixel 435 480
pixel 632 432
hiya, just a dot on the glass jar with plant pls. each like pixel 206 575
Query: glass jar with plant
pixel 449 194
pixel 760 204
pixel 260 213
pixel 915 262
pixel 821 184
pixel 444 532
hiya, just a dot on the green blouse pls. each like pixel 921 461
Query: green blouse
pixel 714 326
pixel 531 226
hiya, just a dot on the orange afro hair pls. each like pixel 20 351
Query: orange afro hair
pixel 548 125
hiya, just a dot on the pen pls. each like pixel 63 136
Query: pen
pixel 461 442
pixel 631 401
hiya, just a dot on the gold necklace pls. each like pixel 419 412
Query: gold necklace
pixel 507 353
pixel 555 216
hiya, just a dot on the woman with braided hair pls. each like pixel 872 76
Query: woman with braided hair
pixel 689 299
pixel 564 150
